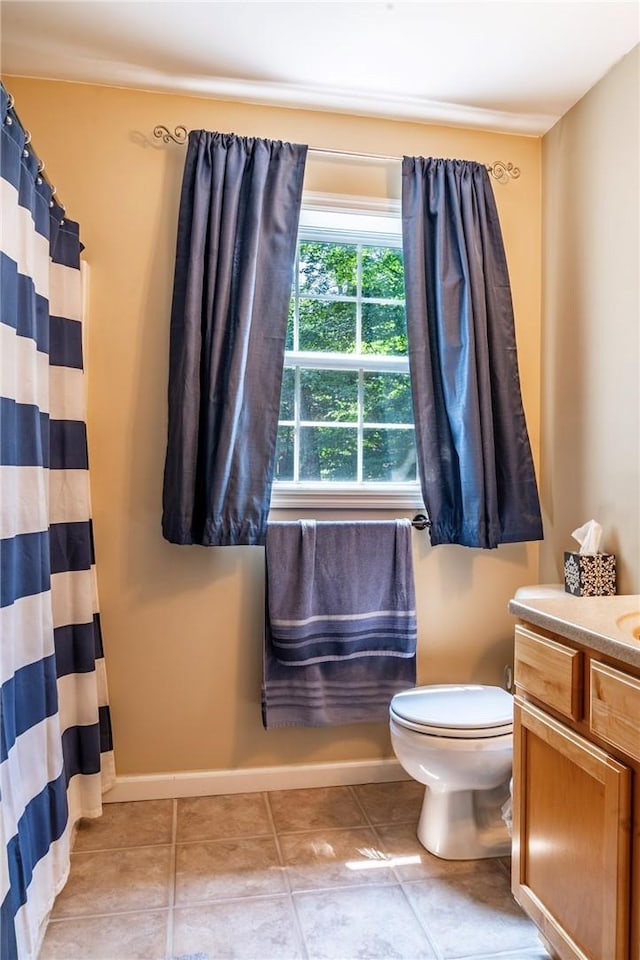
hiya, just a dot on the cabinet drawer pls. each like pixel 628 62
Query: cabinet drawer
pixel 550 672
pixel 614 708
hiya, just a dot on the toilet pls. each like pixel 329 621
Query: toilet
pixel 457 739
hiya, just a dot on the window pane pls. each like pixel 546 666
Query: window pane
pixel 387 398
pixel 389 455
pixel 327 326
pixel 288 343
pixel 329 395
pixel 328 268
pixel 364 419
pixel 384 329
pixel 284 454
pixel 287 394
pixel 382 273
pixel 328 453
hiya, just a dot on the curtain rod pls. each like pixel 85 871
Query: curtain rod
pixel 12 114
pixel 500 171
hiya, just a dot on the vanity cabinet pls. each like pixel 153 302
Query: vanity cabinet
pixel 576 797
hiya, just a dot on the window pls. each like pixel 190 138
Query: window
pixel 345 429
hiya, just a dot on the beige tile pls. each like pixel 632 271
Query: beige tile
pixel 324 858
pixel 314 809
pixel 217 818
pixel 104 882
pixel 136 936
pixel 412 862
pixel 371 922
pixel 222 869
pixel 391 802
pixel 127 825
pixel 242 930
pixel 469 916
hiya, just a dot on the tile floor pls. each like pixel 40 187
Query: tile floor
pixel 333 872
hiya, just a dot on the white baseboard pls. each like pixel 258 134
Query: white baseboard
pixel 203 783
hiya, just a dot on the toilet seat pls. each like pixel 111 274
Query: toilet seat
pixel 458 711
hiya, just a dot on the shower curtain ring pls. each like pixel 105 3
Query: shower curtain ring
pixel 10 103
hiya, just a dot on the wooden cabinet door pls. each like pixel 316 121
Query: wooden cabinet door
pixel 571 838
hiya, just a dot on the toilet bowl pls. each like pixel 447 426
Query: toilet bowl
pixel 457 740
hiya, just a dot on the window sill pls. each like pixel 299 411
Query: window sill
pixel 347 497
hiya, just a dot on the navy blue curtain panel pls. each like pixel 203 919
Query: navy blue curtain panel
pixel 475 462
pixel 237 229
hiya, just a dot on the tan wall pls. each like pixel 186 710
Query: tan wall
pixel 182 625
pixel 591 346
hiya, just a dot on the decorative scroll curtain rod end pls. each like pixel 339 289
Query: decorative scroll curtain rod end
pixel 179 135
pixel 503 172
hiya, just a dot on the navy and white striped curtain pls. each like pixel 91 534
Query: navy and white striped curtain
pixel 56 755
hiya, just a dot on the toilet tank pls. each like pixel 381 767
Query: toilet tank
pixel 540 591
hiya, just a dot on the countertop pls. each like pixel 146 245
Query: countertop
pixel 605 624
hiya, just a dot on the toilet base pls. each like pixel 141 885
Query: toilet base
pixel 465 824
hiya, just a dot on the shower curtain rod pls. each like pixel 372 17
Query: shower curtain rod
pixel 25 152
pixel 501 172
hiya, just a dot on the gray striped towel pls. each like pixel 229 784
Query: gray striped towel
pixel 340 630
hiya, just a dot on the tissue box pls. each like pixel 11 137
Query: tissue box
pixel 590 574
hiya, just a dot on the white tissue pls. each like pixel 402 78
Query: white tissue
pixel 589 536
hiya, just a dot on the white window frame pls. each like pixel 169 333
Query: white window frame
pixel 368 223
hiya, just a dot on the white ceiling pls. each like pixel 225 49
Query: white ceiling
pixel 501 65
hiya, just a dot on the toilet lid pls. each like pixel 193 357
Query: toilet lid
pixel 457 710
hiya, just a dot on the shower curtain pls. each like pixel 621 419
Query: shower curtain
pixel 56 755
